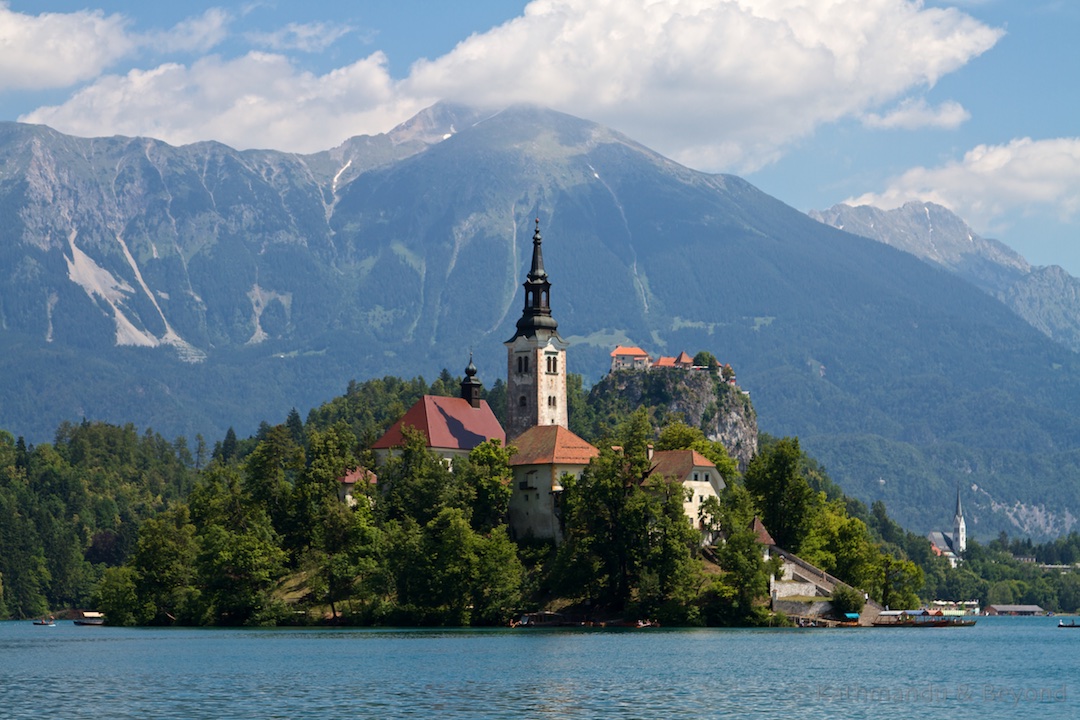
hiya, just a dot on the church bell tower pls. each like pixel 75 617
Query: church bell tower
pixel 959 537
pixel 536 357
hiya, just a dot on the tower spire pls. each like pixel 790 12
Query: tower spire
pixel 536 356
pixel 537 312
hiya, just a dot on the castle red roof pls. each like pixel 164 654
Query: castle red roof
pixel 621 351
pixel 448 423
pixel 551 445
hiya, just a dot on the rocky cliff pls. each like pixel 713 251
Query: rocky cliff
pixel 699 399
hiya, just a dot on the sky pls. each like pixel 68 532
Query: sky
pixel 973 104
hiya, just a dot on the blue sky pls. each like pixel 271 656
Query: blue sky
pixel 972 103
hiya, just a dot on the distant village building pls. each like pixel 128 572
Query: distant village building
pixel 629 358
pixel 1027 610
pixel 452 426
pixel 952 545
pixel 348 482
pixel 682 361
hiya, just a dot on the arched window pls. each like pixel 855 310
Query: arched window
pixel 523 402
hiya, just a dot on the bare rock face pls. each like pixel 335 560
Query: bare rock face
pixel 696 397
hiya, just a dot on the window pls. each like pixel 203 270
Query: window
pixel 552 364
pixel 695 477
pixel 523 363
pixel 551 401
pixel 522 402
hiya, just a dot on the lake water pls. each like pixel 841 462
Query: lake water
pixel 1001 668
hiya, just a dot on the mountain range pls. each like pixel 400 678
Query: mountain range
pixel 1046 297
pixel 194 288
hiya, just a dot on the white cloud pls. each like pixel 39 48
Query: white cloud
pixel 53 50
pixel 719 85
pixel 1026 176
pixel 727 83
pixel 197 34
pixel 307 37
pixel 914 114
pixel 258 100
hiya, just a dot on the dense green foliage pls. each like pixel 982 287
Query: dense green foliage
pixel 256 531
pixel 71 508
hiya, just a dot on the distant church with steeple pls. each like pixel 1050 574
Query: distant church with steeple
pixel 951 545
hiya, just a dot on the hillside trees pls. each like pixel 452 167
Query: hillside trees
pixel 625 534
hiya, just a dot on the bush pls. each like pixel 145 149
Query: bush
pixel 847 600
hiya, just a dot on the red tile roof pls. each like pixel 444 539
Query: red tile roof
pixel 624 351
pixel 354 476
pixel 684 359
pixel 678 464
pixel 763 535
pixel 551 445
pixel 449 423
pixel 664 362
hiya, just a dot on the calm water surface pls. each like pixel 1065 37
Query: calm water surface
pixel 1001 668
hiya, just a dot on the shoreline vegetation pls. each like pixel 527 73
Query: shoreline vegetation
pixel 253 531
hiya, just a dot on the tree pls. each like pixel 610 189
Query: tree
pixel 680 436
pixel 117 597
pixel 164 569
pixel 271 471
pixel 229 446
pixel 483 485
pixel 846 600
pixel 238 557
pixel 704 358
pixel 414 483
pixel 784 497
pixel 295 426
pixel 732 600
pixel 899 581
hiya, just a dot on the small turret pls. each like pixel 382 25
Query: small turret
pixel 470 386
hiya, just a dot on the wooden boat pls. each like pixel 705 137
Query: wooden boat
pixel 89 617
pixel 48 622
pixel 920 619
pixel 1070 624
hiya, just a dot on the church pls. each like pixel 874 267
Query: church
pixel 537 421
pixel 952 545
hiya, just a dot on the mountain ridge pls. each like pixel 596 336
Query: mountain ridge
pixel 1046 297
pixel 291 284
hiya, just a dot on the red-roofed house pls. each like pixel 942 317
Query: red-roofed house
pixel 544 454
pixel 347 483
pixel 629 358
pixel 684 361
pixel 698 475
pixel 452 426
pixel 664 362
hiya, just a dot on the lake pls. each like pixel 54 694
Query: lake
pixel 1001 668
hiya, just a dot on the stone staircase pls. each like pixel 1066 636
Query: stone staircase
pixel 826 583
